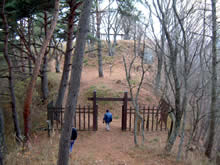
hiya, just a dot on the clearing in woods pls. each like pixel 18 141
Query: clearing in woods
pixel 102 147
pixel 115 147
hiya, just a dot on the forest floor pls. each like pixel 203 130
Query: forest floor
pixel 115 147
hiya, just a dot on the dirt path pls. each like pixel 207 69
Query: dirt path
pixel 102 147
pixel 115 147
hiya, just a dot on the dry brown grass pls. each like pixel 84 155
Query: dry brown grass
pixel 40 151
pixel 43 151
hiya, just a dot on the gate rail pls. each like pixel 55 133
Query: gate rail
pixel 151 117
pixel 85 118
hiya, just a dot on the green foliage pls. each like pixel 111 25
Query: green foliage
pixel 20 88
pixel 148 99
pixel 108 59
pixel 3 64
pixel 17 9
pixel 127 8
pixel 38 108
pixel 53 86
pixel 101 91
pixel 85 62
pixel 133 82
pixel 91 37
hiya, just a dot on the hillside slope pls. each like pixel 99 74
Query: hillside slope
pixel 102 147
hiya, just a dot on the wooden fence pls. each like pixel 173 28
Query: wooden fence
pixel 151 117
pixel 85 118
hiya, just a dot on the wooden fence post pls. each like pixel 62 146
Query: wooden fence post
pixel 157 118
pixel 152 126
pixel 130 119
pixel 95 127
pixel 79 117
pixel 84 117
pixel 124 111
pixel 122 118
pixel 96 117
pixel 89 117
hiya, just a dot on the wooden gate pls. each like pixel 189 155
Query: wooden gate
pixel 125 100
pixel 151 116
pixel 85 118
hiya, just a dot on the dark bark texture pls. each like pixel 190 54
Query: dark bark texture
pixel 2 139
pixel 44 77
pixel 68 54
pixel 98 35
pixel 10 75
pixel 213 109
pixel 31 85
pixel 63 156
pixel 173 64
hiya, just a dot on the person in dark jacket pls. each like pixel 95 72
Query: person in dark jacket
pixel 73 138
pixel 107 119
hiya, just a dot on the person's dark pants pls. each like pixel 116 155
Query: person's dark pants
pixel 71 145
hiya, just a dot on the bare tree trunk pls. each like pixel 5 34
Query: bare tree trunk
pixel 44 78
pixel 114 43
pixel 108 32
pixel 110 46
pixel 134 98
pixel 127 29
pixel 173 62
pixel 135 129
pixel 31 85
pixel 185 77
pixel 57 63
pixel 11 75
pixel 182 136
pixel 173 50
pixel 58 57
pixel 116 29
pixel 29 44
pixel 69 49
pixel 90 39
pixel 213 109
pixel 92 33
pixel 63 156
pixel 159 62
pixel 98 35
pixel 93 30
pixel 22 47
pixel 198 131
pixel 159 69
pixel 2 137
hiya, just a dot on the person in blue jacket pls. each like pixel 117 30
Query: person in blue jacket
pixel 107 119
pixel 73 138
